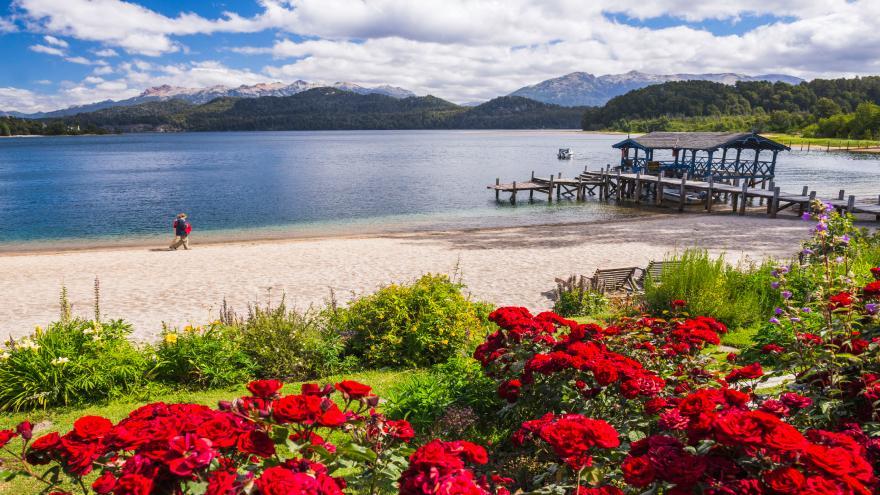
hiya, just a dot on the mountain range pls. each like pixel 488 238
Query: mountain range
pixel 584 89
pixel 326 109
pixel 575 89
pixel 199 96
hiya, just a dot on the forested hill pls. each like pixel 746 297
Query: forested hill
pixel 822 107
pixel 329 108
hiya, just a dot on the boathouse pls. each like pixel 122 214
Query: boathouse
pixel 700 155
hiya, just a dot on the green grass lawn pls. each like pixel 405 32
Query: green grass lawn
pixel 818 143
pixel 61 419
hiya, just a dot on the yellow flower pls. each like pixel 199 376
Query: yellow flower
pixel 171 338
pixel 38 330
pixel 189 328
pixel 444 341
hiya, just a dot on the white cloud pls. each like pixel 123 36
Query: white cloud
pixel 48 50
pixel 106 52
pixel 79 60
pixel 7 26
pixel 55 41
pixel 43 82
pixel 462 50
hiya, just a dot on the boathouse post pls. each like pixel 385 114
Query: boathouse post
pixel 709 193
pixel 742 199
pixel 513 194
pixel 658 190
pixel 638 187
pixel 734 197
pixel 737 165
pixel 851 204
pixel 618 190
pixel 681 194
pixel 497 191
pixel 774 203
pixel 550 190
pixel 840 194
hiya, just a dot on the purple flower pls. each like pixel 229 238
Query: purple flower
pixel 784 269
pixel 774 285
pixel 808 251
pixel 794 319
pixel 845 239
pixel 778 311
pixel 839 259
pixel 872 308
pixel 786 294
pixel 821 227
pixel 774 320
pixel 806 215
pixel 806 310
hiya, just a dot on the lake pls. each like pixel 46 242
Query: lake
pixel 127 188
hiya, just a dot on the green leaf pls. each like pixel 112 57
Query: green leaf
pixel 279 435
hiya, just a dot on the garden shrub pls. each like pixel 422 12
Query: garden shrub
pixel 738 296
pixel 573 297
pixel 203 357
pixel 423 398
pixel 288 344
pixel 70 362
pixel 414 325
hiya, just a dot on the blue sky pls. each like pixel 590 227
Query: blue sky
pixel 58 53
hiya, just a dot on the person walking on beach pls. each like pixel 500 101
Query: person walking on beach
pixel 182 228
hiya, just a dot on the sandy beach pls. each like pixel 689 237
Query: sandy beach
pixel 511 266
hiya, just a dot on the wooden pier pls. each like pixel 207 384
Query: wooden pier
pixel 680 192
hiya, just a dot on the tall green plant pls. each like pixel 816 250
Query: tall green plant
pixel 414 325
pixel 70 362
pixel 738 296
pixel 288 344
pixel 203 357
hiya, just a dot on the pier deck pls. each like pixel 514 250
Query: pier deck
pixel 657 190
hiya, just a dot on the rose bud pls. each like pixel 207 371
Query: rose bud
pixel 25 429
pixel 224 405
pixel 372 400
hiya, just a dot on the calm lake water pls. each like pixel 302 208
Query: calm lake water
pixel 127 188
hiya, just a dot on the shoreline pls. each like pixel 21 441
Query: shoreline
pixel 245 237
pixel 504 266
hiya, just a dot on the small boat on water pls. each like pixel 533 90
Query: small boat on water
pixel 564 154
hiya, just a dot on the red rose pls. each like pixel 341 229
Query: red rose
pixel 638 471
pixel 745 373
pixel 776 407
pixel 509 390
pixel 264 389
pixel 40 451
pixel 876 272
pixel 25 429
pixel 105 483
pixel 353 390
pixel 188 453
pixel 6 436
pixel 133 484
pixel 223 482
pixel 256 442
pixel 315 389
pixel 785 480
pixel 282 481
pixel 796 401
pixel 399 429
pixel 222 431
pixel 678 303
pixel 872 290
pixel 772 349
pixel 840 300
pixel 92 427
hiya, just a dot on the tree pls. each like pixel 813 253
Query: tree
pixel 826 107
pixel 4 129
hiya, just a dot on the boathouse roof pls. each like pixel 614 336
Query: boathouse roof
pixel 704 141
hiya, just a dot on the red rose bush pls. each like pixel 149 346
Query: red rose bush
pixel 265 443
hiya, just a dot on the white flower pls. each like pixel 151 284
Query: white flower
pixel 60 361
pixel 27 343
pixel 4 355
